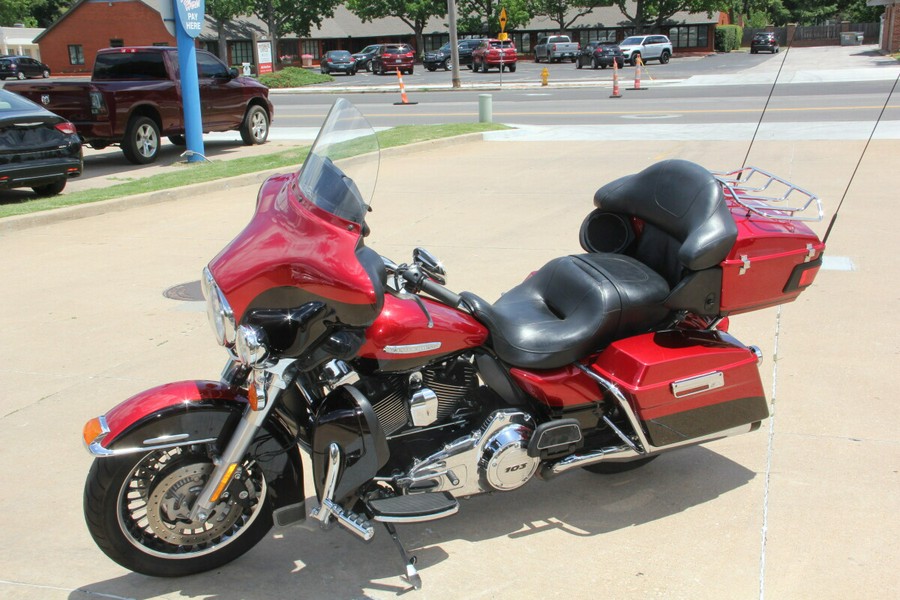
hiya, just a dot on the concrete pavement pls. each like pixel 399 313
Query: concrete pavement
pixel 804 508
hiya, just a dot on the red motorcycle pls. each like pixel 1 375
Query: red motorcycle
pixel 407 396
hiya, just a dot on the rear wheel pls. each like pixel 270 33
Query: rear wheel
pixel 611 468
pixel 50 189
pixel 141 143
pixel 255 127
pixel 137 508
pixel 45 73
pixel 20 75
pixel 178 140
pixel 664 57
pixel 512 68
pixel 578 64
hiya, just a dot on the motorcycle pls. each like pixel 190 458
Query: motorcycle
pixel 407 396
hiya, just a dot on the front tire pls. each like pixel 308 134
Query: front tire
pixel 137 510
pixel 255 127
pixel 141 143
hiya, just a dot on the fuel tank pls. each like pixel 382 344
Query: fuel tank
pixel 407 334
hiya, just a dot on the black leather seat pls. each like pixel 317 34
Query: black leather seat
pixel 572 306
pixel 576 305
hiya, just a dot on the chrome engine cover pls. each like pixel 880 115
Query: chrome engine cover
pixel 494 457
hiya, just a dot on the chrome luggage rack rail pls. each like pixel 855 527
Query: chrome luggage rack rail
pixel 770 196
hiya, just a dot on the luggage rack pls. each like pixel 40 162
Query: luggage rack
pixel 770 196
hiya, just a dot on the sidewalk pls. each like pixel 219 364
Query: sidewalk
pixel 804 508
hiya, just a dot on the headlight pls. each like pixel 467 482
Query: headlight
pixel 251 348
pixel 221 318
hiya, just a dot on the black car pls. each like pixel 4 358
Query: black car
pixel 764 40
pixel 364 56
pixel 600 55
pixel 442 57
pixel 22 67
pixel 338 61
pixel 38 149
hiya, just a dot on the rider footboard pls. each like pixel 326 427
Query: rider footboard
pixel 776 255
pixel 684 385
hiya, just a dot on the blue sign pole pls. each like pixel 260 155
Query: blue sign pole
pixel 189 23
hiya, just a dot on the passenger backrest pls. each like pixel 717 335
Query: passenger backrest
pixel 687 224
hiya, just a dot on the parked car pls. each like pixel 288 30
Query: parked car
pixel 338 61
pixel 600 54
pixel 38 149
pixel 554 48
pixel 364 57
pixel 646 47
pixel 442 57
pixel 393 57
pixel 134 97
pixel 764 40
pixel 22 67
pixel 494 53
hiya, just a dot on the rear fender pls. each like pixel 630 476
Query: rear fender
pixel 204 412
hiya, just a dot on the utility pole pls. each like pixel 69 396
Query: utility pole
pixel 454 43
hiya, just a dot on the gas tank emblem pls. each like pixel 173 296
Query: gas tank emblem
pixel 45 99
pixel 412 348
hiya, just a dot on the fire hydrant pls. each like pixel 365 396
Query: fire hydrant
pixel 545 75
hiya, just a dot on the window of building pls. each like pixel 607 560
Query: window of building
pixel 689 36
pixel 522 41
pixel 116 43
pixel 160 43
pixel 433 42
pixel 310 47
pixel 598 35
pixel 288 51
pixel 76 55
pixel 241 52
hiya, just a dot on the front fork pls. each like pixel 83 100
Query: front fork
pixel 265 386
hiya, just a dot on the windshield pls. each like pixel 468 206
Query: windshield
pixel 340 172
pixel 632 41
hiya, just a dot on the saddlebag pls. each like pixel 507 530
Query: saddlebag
pixel 684 385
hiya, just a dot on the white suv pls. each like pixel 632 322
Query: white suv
pixel 647 47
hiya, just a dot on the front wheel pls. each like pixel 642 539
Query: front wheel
pixel 448 64
pixel 255 127
pixel 138 506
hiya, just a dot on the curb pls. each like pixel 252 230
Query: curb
pixel 93 209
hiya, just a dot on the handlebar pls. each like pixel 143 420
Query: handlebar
pixel 418 281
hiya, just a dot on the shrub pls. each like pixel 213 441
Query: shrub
pixel 290 77
pixel 728 38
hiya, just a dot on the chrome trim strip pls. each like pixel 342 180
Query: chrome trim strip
pixel 698 384
pixel 623 404
pixel 100 452
pixel 412 348
pixel 166 439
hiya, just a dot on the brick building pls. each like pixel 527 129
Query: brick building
pixel 890 25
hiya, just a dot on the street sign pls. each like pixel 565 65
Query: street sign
pixel 503 19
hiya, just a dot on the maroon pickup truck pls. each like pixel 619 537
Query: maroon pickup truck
pixel 134 97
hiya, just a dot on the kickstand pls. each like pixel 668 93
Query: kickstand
pixel 412 574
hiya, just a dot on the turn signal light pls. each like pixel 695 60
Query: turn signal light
pixel 93 429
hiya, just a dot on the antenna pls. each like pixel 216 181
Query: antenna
pixel 769 98
pixel 859 162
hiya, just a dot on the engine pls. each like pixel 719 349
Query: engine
pixel 470 444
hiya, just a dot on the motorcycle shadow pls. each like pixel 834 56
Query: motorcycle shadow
pixel 304 561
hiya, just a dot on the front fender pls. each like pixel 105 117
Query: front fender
pixel 202 412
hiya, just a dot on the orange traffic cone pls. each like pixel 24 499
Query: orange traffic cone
pixel 403 98
pixel 637 76
pixel 615 92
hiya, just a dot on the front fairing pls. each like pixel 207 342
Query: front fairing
pixel 302 247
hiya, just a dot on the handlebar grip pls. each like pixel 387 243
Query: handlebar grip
pixel 438 291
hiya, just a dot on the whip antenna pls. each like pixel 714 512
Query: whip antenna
pixel 859 161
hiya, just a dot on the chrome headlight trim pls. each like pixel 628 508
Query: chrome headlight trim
pixel 251 347
pixel 219 313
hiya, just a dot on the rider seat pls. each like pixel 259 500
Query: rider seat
pixel 576 305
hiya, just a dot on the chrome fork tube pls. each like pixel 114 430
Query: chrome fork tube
pixel 229 462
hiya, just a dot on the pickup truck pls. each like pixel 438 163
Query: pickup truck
pixel 134 97
pixel 554 48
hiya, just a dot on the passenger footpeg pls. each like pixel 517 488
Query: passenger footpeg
pixel 414 508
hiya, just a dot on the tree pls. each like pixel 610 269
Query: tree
pixel 566 12
pixel 650 13
pixel 222 12
pixel 482 16
pixel 16 11
pixel 414 13
pixel 283 16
